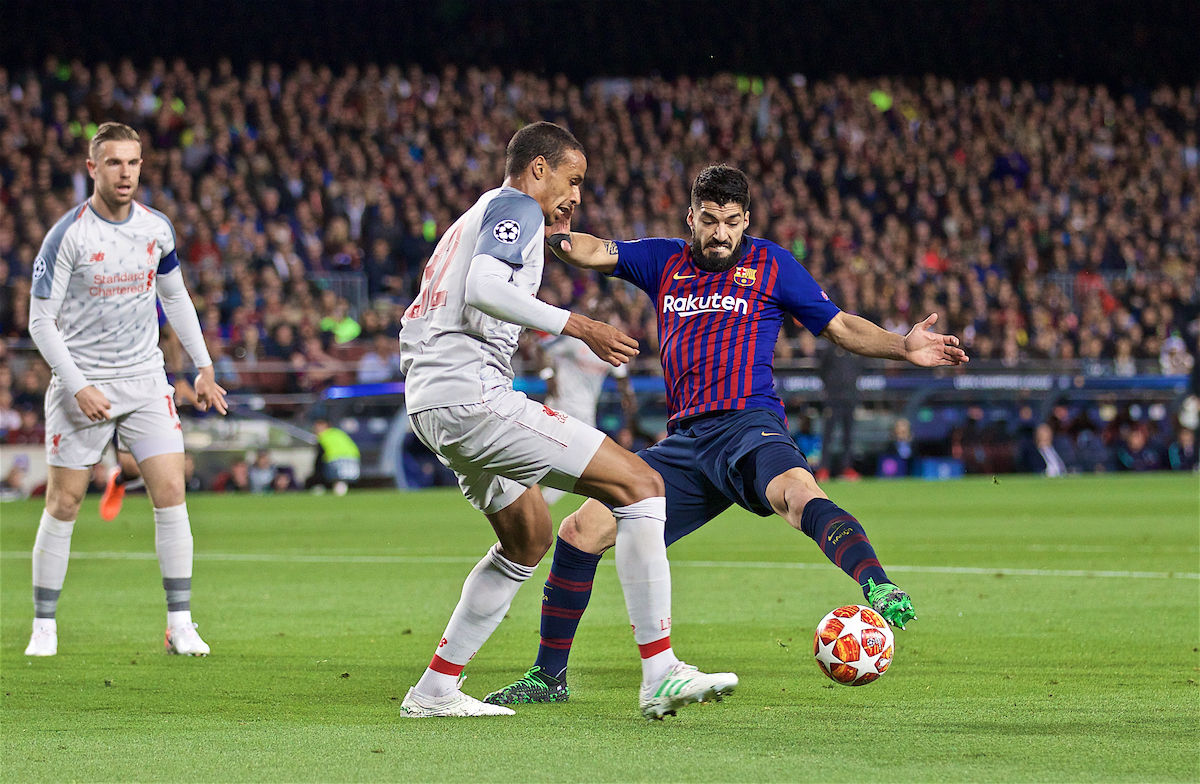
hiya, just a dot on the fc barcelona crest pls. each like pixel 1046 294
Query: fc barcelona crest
pixel 744 276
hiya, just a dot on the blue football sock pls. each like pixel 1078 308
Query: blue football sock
pixel 843 541
pixel 566 595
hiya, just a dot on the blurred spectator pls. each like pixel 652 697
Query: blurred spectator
pixel 235 479
pixel 1181 454
pixel 381 363
pixel 12 486
pixel 839 372
pixel 31 429
pixel 896 460
pixel 190 479
pixel 284 480
pixel 1136 453
pixel 262 472
pixel 338 458
pixel 1174 359
pixel 339 323
pixel 1043 455
pixel 9 418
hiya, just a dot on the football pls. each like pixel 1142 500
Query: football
pixel 853 645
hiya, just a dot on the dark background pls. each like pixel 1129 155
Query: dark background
pixel 1124 44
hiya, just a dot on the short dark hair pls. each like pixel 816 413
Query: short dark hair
pixel 546 139
pixel 721 184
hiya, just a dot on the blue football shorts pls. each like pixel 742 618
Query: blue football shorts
pixel 716 460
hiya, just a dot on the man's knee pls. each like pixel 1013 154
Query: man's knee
pixel 592 528
pixel 642 482
pixel 63 504
pixel 64 496
pixel 167 491
pixel 790 492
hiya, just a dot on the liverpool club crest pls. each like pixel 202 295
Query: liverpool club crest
pixel 744 276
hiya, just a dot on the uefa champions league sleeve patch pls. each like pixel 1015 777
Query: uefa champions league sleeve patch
pixel 39 268
pixel 507 231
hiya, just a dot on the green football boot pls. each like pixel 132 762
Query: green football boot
pixel 536 685
pixel 890 602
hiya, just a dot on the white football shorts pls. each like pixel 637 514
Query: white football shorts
pixel 143 416
pixel 506 444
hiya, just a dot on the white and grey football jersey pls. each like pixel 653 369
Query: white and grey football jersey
pixel 451 353
pixel 104 275
pixel 579 376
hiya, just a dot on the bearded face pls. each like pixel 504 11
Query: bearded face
pixel 717 233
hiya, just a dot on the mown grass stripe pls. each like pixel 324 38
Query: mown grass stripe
pixel 449 559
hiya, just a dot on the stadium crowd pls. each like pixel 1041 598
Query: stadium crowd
pixel 1048 222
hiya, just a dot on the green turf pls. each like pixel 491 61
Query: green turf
pixel 1004 676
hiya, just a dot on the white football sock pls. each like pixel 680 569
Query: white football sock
pixel 51 554
pixel 486 596
pixel 173 543
pixel 178 618
pixel 645 577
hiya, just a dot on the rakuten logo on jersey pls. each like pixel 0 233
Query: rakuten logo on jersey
pixel 714 303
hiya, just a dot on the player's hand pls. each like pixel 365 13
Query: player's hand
pixel 931 349
pixel 607 342
pixel 558 234
pixel 208 392
pixel 185 393
pixel 93 403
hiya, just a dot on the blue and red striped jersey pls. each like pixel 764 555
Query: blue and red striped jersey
pixel 717 331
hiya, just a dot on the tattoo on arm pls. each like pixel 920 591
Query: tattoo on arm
pixel 611 247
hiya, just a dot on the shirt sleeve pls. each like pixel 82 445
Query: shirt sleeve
pixel 168 260
pixel 55 261
pixel 641 262
pixel 801 296
pixel 510 223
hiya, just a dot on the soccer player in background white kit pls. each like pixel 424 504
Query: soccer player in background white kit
pixel 456 344
pixel 93 318
pixel 574 378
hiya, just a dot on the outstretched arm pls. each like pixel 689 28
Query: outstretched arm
pixel 584 251
pixel 489 290
pixel 920 346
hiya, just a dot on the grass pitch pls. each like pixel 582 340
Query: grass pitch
pixel 1057 640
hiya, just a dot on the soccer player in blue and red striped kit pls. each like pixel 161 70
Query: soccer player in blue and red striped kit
pixel 721 300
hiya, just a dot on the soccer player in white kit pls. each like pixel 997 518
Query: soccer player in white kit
pixel 93 318
pixel 456 344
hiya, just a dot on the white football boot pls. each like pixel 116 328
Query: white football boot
pixel 682 685
pixel 418 706
pixel 44 640
pixel 185 640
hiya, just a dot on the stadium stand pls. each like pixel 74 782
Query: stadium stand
pixel 1052 225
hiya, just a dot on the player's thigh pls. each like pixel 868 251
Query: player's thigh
pixel 72 440
pixel 151 427
pixel 163 475
pixel 692 500
pixel 618 477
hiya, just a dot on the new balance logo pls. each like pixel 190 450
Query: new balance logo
pixel 715 303
pixel 98 256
